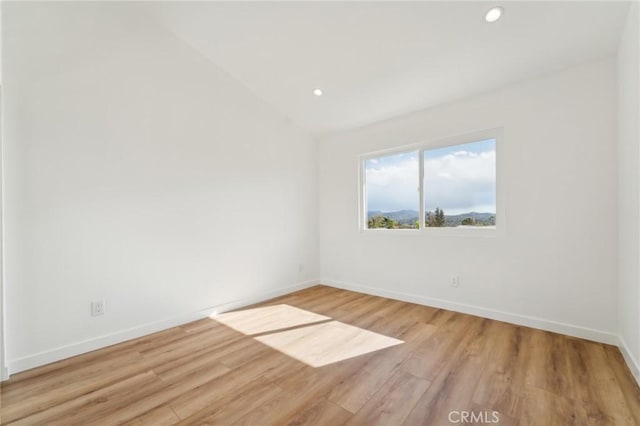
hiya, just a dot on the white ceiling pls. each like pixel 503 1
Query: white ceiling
pixel 381 59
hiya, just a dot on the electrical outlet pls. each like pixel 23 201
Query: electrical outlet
pixel 455 281
pixel 97 308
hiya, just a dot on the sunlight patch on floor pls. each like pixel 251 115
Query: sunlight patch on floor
pixel 326 343
pixel 268 318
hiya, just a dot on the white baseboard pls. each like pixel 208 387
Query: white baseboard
pixel 78 348
pixel 524 320
pixel 632 362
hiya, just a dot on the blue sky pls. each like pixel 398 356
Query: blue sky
pixel 458 179
pixel 473 147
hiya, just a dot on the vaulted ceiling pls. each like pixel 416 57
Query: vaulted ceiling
pixel 373 60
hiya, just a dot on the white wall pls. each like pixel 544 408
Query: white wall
pixel 3 369
pixel 555 267
pixel 138 172
pixel 629 189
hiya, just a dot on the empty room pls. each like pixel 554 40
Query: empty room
pixel 320 213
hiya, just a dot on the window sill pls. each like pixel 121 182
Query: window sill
pixel 469 232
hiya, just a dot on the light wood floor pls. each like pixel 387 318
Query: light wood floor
pixel 209 373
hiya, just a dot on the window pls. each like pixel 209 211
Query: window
pixel 446 185
pixel 393 200
pixel 460 185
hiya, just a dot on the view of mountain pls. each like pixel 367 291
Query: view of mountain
pixel 409 219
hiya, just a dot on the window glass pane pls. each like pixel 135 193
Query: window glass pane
pixel 392 198
pixel 460 185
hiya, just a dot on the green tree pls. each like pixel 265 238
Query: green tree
pixel 381 222
pixel 435 219
pixel 468 221
pixel 439 217
pixel 428 219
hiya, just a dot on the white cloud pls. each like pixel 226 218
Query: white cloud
pixel 461 182
pixel 393 187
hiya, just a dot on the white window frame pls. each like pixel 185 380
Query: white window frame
pixel 421 147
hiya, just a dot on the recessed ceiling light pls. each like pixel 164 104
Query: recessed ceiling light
pixel 493 14
pixel 317 92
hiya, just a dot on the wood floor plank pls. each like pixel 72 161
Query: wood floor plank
pixel 304 386
pixel 428 361
pixel 327 343
pixel 208 373
pixel 323 412
pixel 280 409
pixel 235 404
pixel 498 388
pixel 624 378
pixel 133 346
pixel 196 399
pixel 81 410
pixel 453 386
pixel 542 408
pixel 393 402
pixel 486 415
pixel 69 386
pixel 355 390
pixel 605 402
pixel 20 388
pixel 177 371
pixel 171 366
pixel 299 403
pixel 160 416
pixel 152 400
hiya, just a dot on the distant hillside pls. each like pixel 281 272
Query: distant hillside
pixel 400 216
pixel 472 215
pixel 407 217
